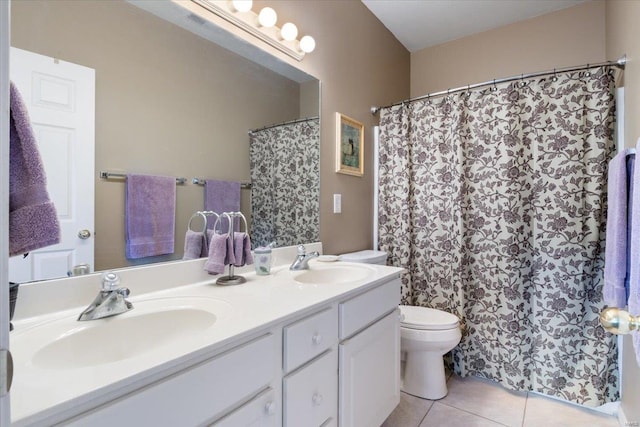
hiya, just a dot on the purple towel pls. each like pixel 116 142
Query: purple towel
pixel 195 245
pixel 242 249
pixel 33 221
pixel 222 196
pixel 220 253
pixel 616 264
pixel 634 255
pixel 150 211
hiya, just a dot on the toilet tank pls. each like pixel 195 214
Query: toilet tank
pixel 367 256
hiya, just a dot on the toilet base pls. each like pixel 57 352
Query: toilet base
pixel 424 375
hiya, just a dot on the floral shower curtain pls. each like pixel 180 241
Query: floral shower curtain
pixel 495 202
pixel 285 183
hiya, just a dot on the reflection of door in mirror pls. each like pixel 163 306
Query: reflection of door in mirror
pixel 60 100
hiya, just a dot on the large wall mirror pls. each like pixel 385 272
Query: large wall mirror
pixel 169 102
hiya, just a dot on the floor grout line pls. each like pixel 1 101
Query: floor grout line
pixel 524 413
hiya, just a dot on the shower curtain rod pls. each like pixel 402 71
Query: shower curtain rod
pixel 283 123
pixel 620 63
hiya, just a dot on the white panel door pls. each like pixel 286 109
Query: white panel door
pixel 60 97
pixel 369 387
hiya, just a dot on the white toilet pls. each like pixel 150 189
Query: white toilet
pixel 426 334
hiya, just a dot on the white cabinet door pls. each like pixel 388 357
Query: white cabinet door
pixel 370 374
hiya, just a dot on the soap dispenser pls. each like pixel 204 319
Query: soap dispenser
pixel 262 259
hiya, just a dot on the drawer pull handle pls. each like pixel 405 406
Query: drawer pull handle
pixel 316 338
pixel 317 399
pixel 270 408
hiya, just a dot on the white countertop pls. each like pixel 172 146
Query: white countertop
pixel 246 310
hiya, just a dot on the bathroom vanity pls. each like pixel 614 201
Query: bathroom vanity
pixel 317 347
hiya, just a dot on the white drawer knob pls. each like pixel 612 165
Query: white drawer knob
pixel 270 408
pixel 316 338
pixel 317 399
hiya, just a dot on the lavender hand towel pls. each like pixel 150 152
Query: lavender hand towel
pixel 194 242
pixel 616 261
pixel 220 254
pixel 242 249
pixel 222 196
pixel 150 211
pixel 634 254
pixel 33 220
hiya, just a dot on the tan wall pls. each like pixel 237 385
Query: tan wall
pixel 623 34
pixel 360 64
pixel 569 37
pixel 167 103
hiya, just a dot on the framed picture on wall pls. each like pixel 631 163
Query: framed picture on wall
pixel 349 146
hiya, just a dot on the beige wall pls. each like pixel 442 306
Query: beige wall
pixel 623 36
pixel 167 103
pixel 565 38
pixel 360 64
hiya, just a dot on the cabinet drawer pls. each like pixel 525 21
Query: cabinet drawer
pixel 364 309
pixel 309 337
pixel 196 395
pixel 261 411
pixel 311 394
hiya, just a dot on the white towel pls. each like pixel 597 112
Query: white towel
pixel 634 253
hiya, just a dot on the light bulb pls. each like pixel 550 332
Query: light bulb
pixel 289 31
pixel 307 44
pixel 267 17
pixel 242 5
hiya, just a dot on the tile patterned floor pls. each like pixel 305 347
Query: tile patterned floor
pixel 476 402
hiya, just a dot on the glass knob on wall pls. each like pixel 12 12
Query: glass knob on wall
pixel 619 321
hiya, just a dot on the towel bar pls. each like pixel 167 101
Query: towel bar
pixel 115 175
pixel 202 181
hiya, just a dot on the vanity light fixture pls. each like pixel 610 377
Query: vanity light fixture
pixel 242 5
pixel 267 17
pixel 289 31
pixel 261 25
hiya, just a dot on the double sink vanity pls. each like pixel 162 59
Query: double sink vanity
pixel 316 347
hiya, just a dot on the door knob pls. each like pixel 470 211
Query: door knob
pixel 619 321
pixel 84 234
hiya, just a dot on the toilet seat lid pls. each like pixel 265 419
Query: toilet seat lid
pixel 427 318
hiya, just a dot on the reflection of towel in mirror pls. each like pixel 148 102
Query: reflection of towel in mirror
pixel 220 253
pixel 616 259
pixel 242 249
pixel 195 245
pixel 222 196
pixel 150 211
pixel 33 221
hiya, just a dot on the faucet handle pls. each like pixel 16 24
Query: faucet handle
pixel 302 250
pixel 110 281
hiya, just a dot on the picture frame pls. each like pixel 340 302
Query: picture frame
pixel 349 146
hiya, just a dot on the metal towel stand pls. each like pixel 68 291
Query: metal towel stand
pixel 231 279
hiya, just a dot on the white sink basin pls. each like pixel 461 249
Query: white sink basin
pixel 334 274
pixel 69 344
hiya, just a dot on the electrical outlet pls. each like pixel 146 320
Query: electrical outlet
pixel 337 203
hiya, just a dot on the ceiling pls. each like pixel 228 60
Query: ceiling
pixel 418 24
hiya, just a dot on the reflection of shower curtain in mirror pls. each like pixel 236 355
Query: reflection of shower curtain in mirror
pixel 285 179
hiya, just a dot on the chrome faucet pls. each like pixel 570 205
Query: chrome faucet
pixel 110 300
pixel 302 259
